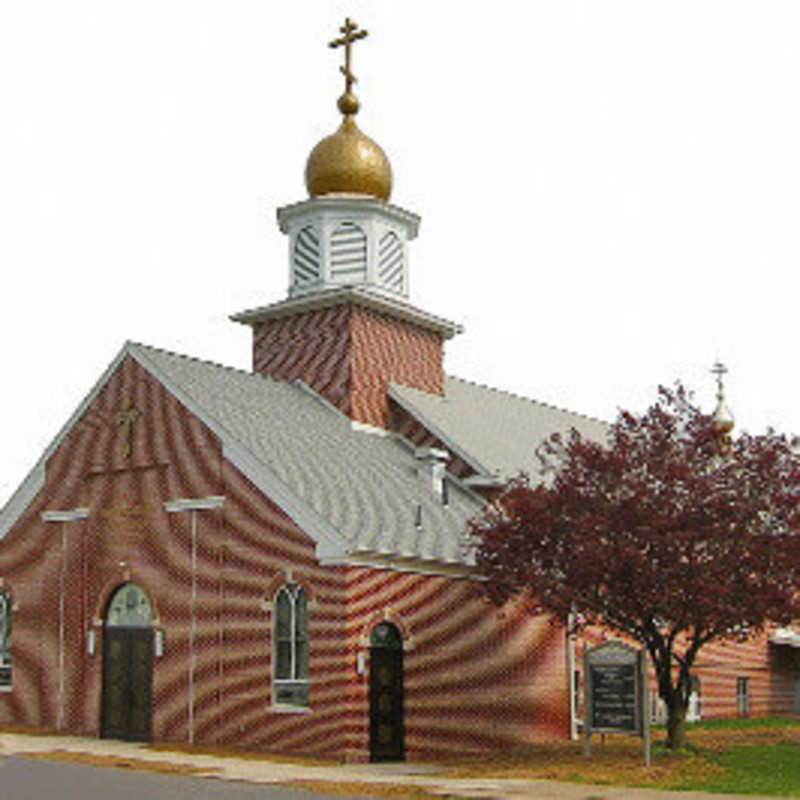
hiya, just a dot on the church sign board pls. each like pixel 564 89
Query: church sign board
pixel 615 685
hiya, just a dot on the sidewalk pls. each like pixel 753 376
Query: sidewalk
pixel 276 772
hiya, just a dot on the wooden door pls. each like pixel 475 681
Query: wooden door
pixel 127 684
pixel 386 718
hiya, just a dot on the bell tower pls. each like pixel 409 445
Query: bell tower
pixel 346 327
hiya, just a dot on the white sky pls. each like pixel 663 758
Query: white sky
pixel 608 190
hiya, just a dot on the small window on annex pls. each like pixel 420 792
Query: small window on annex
pixel 5 638
pixel 742 697
pixel 290 657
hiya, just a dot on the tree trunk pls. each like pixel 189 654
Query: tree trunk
pixel 676 723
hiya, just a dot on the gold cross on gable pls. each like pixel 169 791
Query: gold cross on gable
pixel 125 420
pixel 351 34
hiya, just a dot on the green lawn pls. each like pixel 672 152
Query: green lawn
pixel 748 767
pixel 737 756
pixel 743 724
pixel 754 769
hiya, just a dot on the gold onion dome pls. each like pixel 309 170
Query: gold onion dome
pixel 722 417
pixel 723 420
pixel 348 162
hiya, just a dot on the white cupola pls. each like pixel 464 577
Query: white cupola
pixel 339 240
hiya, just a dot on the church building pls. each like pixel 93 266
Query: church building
pixel 275 559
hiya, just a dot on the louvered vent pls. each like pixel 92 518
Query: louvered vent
pixel 348 254
pixel 390 262
pixel 306 257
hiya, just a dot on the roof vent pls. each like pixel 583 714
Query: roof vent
pixel 431 467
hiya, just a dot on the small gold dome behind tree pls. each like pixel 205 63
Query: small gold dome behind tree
pixel 348 162
pixel 723 419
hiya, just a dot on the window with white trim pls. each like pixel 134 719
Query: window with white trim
pixel 290 652
pixel 742 696
pixel 5 638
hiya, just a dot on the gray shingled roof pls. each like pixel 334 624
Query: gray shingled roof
pixel 355 492
pixel 363 487
pixel 495 432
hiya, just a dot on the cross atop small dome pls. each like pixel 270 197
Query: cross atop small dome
pixel 723 419
pixel 348 162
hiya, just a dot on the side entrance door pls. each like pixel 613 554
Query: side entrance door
pixel 127 701
pixel 386 718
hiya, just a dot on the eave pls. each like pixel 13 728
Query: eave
pixel 356 295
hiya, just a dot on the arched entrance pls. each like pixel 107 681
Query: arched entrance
pixel 127 666
pixel 386 723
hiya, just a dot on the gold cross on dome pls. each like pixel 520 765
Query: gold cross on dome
pixel 719 370
pixel 351 34
pixel 125 420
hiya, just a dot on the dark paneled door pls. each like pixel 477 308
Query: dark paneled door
pixel 127 684
pixel 386 722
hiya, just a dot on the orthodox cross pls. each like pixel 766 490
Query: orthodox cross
pixel 350 36
pixel 719 369
pixel 125 420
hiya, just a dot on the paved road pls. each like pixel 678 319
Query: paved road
pixel 35 779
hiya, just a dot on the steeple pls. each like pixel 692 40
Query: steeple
pixel 347 234
pixel 346 327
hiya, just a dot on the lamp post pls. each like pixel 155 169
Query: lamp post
pixel 194 505
pixel 63 517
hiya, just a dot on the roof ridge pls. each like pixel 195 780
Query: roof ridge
pixel 518 396
pixel 205 362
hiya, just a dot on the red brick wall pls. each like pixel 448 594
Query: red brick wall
pixel 349 355
pixel 389 350
pixel 772 672
pixel 314 346
pixel 475 680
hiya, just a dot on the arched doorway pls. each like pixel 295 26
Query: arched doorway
pixel 386 722
pixel 127 666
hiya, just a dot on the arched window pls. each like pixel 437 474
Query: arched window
pixel 385 634
pixel 129 608
pixel 5 638
pixel 290 660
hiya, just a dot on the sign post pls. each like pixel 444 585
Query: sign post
pixel 615 699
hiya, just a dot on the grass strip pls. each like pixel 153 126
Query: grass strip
pixel 753 769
